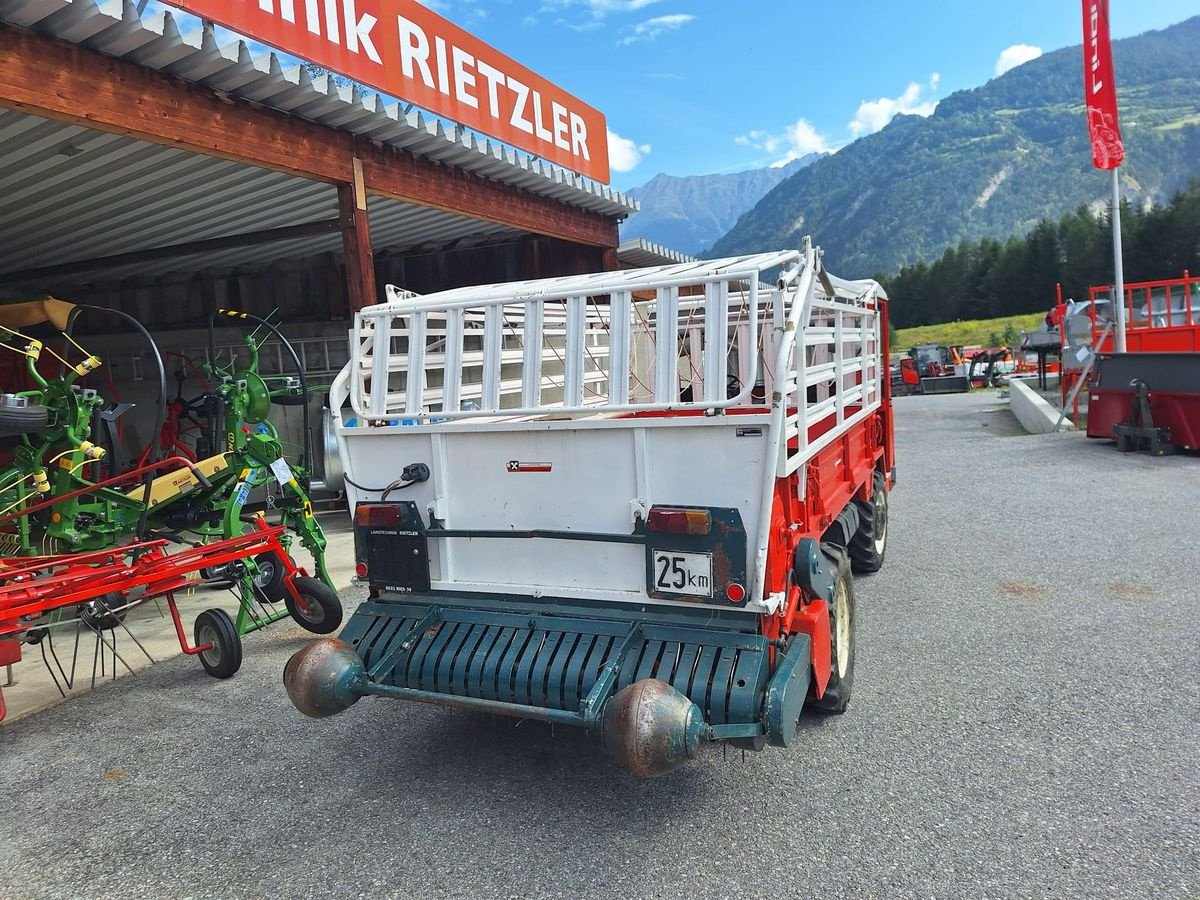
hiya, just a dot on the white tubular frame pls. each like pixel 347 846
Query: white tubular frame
pixel 567 335
pixel 580 326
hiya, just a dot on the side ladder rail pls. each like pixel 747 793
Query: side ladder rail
pixel 804 278
pixel 795 375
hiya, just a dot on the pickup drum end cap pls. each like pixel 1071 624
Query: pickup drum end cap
pixel 324 678
pixel 652 729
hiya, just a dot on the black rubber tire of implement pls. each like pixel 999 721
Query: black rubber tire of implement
pixel 270 578
pixel 224 658
pixel 865 557
pixel 23 419
pixel 321 599
pixel 841 676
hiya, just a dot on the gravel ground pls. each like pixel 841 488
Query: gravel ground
pixel 1025 723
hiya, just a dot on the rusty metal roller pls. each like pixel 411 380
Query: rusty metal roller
pixel 652 729
pixel 324 678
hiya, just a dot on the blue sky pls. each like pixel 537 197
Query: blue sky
pixel 697 86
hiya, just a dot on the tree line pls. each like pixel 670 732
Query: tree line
pixel 988 278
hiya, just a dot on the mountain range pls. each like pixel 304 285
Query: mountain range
pixel 689 213
pixel 991 161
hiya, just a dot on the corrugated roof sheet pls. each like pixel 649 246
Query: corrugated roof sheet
pixel 71 193
pixel 637 253
pixel 113 27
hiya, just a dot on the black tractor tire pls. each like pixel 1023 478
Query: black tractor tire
pixel 271 574
pixel 868 545
pixel 23 419
pixel 224 657
pixel 321 611
pixel 841 638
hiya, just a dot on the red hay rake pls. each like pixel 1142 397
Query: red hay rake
pixel 104 584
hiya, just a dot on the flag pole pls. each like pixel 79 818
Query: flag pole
pixel 1118 265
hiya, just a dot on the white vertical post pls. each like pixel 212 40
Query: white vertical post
pixel 716 337
pixel 492 345
pixel 414 388
pixel 643 353
pixel 695 336
pixel 666 375
pixel 839 366
pixel 573 352
pixel 747 347
pixel 381 365
pixel 531 369
pixel 770 348
pixel 619 313
pixel 452 377
pixel 1119 266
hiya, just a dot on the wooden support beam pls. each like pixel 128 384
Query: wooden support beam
pixel 58 80
pixel 356 243
pixel 247 239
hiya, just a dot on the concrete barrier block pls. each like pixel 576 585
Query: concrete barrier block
pixel 1032 410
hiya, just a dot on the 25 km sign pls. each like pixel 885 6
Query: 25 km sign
pixel 403 49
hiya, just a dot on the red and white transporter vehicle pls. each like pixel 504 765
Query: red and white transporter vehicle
pixel 629 501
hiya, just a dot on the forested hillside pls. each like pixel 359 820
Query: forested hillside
pixel 987 278
pixel 990 162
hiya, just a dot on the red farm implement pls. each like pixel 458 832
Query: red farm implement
pixel 1149 396
pixel 95 591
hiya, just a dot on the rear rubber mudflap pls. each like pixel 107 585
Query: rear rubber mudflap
pixel 552 660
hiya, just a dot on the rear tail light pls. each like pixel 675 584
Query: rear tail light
pixel 674 520
pixel 361 570
pixel 735 593
pixel 377 514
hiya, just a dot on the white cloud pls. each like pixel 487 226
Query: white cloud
pixel 624 154
pixel 1017 54
pixel 598 8
pixel 653 28
pixel 797 140
pixel 872 115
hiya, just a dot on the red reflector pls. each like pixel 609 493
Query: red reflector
pixel 377 514
pixel 674 520
pixel 361 570
pixel 735 593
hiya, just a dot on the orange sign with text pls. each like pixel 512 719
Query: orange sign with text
pixel 404 50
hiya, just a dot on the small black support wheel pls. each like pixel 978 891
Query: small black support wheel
pixel 841 638
pixel 319 611
pixel 18 418
pixel 270 576
pixel 224 657
pixel 869 544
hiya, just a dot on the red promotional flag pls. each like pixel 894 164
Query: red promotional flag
pixel 1100 87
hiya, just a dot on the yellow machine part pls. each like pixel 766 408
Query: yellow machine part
pixel 26 313
pixel 169 486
